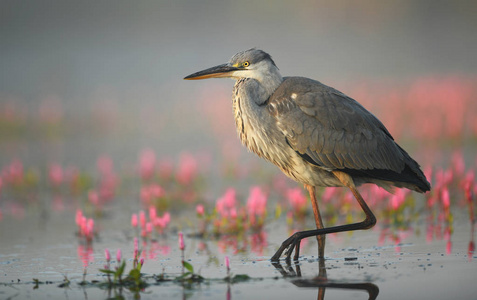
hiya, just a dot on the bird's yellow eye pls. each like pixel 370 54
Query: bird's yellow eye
pixel 246 64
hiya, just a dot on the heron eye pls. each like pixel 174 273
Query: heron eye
pixel 246 64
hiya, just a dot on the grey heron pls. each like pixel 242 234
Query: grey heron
pixel 316 135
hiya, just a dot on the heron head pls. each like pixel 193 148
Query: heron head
pixel 252 63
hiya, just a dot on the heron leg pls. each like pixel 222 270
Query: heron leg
pixel 370 220
pixel 319 222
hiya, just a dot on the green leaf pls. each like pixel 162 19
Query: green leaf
pixel 135 274
pixel 241 278
pixel 188 266
pixel 121 268
pixel 106 271
pixel 183 276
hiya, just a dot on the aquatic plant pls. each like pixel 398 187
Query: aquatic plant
pixel 297 201
pixel 256 207
pixel 146 226
pixel 85 226
pixel 227 265
pixel 133 281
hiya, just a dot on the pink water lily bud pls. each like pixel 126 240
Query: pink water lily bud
pixel 227 262
pixel 445 198
pixel 79 217
pixel 148 228
pixel 181 241
pixel 118 255
pixel 200 210
pixel 152 212
pixel 134 220
pixel 107 255
pixel 142 219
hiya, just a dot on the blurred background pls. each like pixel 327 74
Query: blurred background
pixel 80 79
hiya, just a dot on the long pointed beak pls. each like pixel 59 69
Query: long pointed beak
pixel 223 70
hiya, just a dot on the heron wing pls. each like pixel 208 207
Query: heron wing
pixel 332 130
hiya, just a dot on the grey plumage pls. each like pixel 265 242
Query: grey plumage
pixel 334 131
pixel 315 134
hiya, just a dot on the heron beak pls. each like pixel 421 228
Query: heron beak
pixel 219 71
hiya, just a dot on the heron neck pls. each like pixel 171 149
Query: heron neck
pixel 264 86
pixel 270 84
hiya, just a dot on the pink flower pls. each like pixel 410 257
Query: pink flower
pixel 85 225
pixel 14 172
pixel 398 199
pixel 163 221
pixel 226 203
pixel 55 174
pixel 107 255
pixel 445 198
pixel 468 182
pixel 78 217
pixel 89 228
pixel 118 255
pixel 134 220
pixel 227 263
pixel 142 219
pixel 443 178
pixel 142 262
pixel 257 202
pixel 296 199
pixel 151 192
pixel 200 210
pixel 181 241
pixel 156 191
pixel 152 212
pixel 449 247
pixel 148 227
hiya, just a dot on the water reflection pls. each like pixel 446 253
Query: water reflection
pixel 322 282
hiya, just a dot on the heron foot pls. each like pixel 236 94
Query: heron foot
pixel 293 242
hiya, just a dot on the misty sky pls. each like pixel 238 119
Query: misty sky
pixel 72 47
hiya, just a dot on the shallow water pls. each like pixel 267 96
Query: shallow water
pixel 426 254
pixel 42 244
